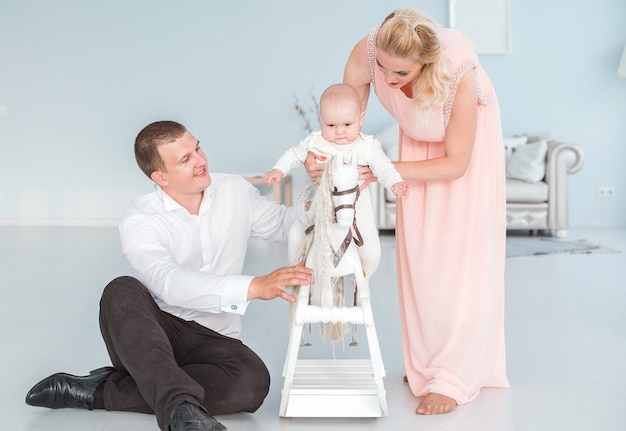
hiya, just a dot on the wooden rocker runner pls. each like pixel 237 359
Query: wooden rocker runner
pixel 333 387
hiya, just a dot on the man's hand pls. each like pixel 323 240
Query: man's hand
pixel 274 284
pixel 314 165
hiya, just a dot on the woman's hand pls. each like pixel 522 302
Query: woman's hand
pixel 367 176
pixel 314 165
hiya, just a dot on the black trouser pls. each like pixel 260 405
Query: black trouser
pixel 162 361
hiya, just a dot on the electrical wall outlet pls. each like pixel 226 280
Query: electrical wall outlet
pixel 606 192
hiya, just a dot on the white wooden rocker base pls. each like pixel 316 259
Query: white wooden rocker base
pixel 333 387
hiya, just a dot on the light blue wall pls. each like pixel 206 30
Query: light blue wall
pixel 79 79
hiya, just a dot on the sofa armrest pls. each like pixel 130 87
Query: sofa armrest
pixel 562 160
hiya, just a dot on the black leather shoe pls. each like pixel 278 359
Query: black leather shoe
pixel 63 390
pixel 189 417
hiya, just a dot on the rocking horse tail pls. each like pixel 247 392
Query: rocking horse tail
pixel 299 245
pixel 329 291
pixel 336 331
pixel 312 239
pixel 295 291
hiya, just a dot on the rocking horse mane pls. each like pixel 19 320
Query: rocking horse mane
pixel 320 217
pixel 317 249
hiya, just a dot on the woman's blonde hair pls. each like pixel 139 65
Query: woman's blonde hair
pixel 407 33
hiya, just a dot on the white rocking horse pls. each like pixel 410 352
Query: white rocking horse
pixel 327 240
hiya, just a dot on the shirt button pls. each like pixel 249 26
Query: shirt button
pixel 233 307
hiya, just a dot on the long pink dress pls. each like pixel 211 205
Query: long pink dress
pixel 451 243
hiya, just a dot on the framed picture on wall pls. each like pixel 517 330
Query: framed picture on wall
pixel 485 22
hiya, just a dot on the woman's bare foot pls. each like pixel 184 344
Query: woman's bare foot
pixel 434 404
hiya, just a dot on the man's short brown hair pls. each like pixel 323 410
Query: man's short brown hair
pixel 150 139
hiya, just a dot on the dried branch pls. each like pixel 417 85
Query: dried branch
pixel 305 112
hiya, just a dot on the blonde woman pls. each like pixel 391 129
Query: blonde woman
pixel 451 229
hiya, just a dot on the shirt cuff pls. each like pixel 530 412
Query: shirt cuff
pixel 235 294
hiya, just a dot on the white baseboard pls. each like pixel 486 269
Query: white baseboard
pixel 23 222
pixel 60 222
pixel 599 224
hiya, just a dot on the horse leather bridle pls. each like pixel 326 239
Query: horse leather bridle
pixel 358 239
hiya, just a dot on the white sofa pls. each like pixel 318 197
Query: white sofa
pixel 536 187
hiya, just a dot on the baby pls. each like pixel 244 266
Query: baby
pixel 341 118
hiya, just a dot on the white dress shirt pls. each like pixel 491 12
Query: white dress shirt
pixel 192 263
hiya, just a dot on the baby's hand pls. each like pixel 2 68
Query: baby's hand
pixel 401 190
pixel 272 176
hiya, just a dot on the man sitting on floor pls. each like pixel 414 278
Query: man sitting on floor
pixel 171 332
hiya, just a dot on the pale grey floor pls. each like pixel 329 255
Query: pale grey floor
pixel 565 325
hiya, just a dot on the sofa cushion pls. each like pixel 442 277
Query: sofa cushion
pixel 538 136
pixel 528 162
pixel 523 191
pixel 510 144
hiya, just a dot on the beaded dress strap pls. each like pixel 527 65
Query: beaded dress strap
pixel 371 38
pixel 483 99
